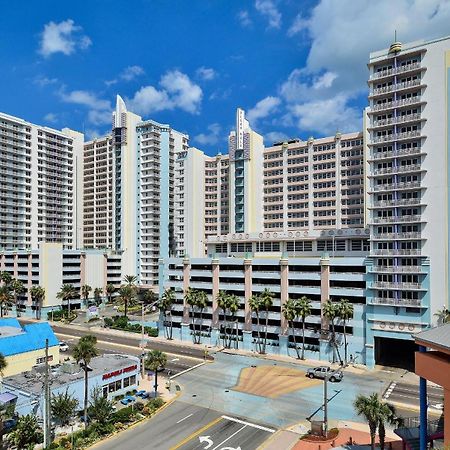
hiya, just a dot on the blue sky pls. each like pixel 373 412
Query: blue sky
pixel 298 67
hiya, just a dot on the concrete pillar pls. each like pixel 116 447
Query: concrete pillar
pixel 186 282
pixel 247 296
pixel 284 292
pixel 29 284
pixel 324 288
pixel 423 408
pixel 215 292
pixel 105 273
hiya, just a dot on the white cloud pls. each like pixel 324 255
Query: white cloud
pixel 324 81
pixel 44 81
pixel 63 37
pixel 177 91
pixel 298 25
pixel 244 18
pixel 262 109
pixel 270 11
pixel 99 109
pixel 327 116
pixel 127 74
pixel 92 133
pixel 206 73
pixel 275 136
pixel 51 117
pixel 210 138
pixel 148 100
pixel 85 98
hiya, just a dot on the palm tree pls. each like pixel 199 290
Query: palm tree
pixel 303 309
pixel 330 311
pixel 290 314
pixel 83 353
pixel 191 297
pixel 443 316
pixel 233 307
pixel 63 407
pixel 202 303
pixel 255 305
pixel 369 408
pixel 100 408
pixel 98 295
pixel 27 432
pixel 67 293
pixel 165 306
pixel 110 289
pixel 345 313
pixel 5 298
pixel 130 280
pixel 85 290
pixel 156 361
pixel 267 302
pixel 126 295
pixel 17 288
pixel 388 415
pixel 149 297
pixel 223 303
pixel 37 294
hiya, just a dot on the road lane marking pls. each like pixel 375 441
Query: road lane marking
pixel 229 437
pixel 175 359
pixel 196 433
pixel 254 425
pixel 184 418
pixel 187 370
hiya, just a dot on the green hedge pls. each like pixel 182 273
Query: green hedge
pixel 122 323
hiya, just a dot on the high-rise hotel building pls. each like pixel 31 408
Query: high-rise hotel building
pixel 408 190
pixel 41 185
pixel 129 191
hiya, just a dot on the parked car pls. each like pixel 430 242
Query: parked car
pixel 140 393
pixel 63 347
pixel 324 371
pixel 145 395
pixel 127 400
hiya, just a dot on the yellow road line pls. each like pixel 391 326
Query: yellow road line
pixel 196 433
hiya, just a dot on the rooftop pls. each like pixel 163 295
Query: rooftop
pixel 32 381
pixel 15 339
pixel 438 336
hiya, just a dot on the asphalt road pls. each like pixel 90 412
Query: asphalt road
pixel 228 433
pixel 175 363
pixel 165 430
pixel 409 394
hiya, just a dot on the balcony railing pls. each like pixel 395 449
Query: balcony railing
pixel 394 203
pixel 394 301
pixel 393 285
pixel 410 235
pixel 396 70
pixel 399 152
pixel 395 137
pixel 397 269
pixel 397 169
pixel 396 103
pixel 395 186
pixel 395 87
pixel 396 252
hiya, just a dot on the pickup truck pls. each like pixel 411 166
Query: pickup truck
pixel 324 371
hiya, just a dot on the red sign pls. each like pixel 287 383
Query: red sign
pixel 119 372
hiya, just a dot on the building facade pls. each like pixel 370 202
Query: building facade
pixel 129 184
pixel 408 183
pixel 24 346
pixel 41 189
pixel 51 266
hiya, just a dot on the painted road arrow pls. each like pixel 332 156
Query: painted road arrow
pixel 230 448
pixel 206 439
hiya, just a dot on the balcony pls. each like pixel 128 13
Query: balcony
pixel 396 252
pixel 395 186
pixel 395 137
pixel 396 104
pixel 397 219
pixel 398 153
pixel 395 70
pixel 396 120
pixel 395 87
pixel 396 269
pixel 396 169
pixel 395 286
pixel 396 203
pixel 396 236
pixel 412 303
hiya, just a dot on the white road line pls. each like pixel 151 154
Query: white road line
pixel 184 418
pixel 254 425
pixel 174 359
pixel 187 370
pixel 228 438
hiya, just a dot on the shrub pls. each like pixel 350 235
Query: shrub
pixel 108 322
pixel 156 403
pixel 139 407
pixel 123 415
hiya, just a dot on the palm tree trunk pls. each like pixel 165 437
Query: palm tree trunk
pixel 125 307
pixel 68 307
pixel 336 345
pixel 345 343
pixel 85 395
pixel 259 332
pixel 373 430
pixel 156 383
pixel 201 326
pixel 193 326
pixel 166 329
pixel 265 331
pixel 303 338
pixel 171 325
pixel 294 337
pixel 381 434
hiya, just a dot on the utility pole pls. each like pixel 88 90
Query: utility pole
pixel 47 426
pixel 325 406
